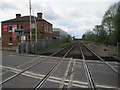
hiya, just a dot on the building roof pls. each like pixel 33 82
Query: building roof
pixel 59 30
pixel 25 18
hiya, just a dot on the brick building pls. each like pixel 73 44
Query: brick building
pixel 8 27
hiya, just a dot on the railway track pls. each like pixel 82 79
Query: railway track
pixel 89 74
pixel 39 84
pixel 75 50
pixel 31 66
pixel 99 58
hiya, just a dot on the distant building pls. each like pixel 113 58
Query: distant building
pixel 59 34
pixel 9 37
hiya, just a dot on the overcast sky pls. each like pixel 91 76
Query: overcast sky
pixel 73 16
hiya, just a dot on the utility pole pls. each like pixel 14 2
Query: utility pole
pixel 30 21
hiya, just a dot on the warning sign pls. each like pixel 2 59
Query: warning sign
pixel 14 37
pixel 5 28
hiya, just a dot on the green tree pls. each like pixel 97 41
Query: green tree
pixel 114 37
pixel 111 23
pixel 69 38
pixel 100 34
pixel 89 36
pixel 108 18
pixel 109 30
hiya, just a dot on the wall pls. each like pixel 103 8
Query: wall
pixel 46 26
pixel 37 47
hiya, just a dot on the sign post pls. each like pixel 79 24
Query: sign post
pixel 19 33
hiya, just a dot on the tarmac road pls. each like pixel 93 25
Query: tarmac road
pixel 104 77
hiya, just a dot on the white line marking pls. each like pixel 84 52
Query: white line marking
pixel 65 75
pixel 71 76
pixel 56 79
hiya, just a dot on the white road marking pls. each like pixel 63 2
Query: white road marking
pixel 71 76
pixel 11 55
pixel 23 55
pixel 65 75
pixel 103 65
pixel 56 79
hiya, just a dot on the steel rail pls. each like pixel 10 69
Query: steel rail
pixel 90 80
pixel 42 82
pixel 22 65
pixel 15 75
pixel 103 60
pixel 32 61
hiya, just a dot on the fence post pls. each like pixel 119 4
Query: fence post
pixel 19 48
pixel 36 48
pixel 118 51
pixel 26 47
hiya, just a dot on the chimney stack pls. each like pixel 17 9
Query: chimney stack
pixel 39 15
pixel 18 15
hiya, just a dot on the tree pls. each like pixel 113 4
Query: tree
pixel 69 38
pixel 110 23
pixel 89 36
pixel 100 33
pixel 97 29
pixel 108 18
pixel 109 30
pixel 114 37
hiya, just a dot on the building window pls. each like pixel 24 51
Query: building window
pixel 33 25
pixel 10 41
pixel 27 37
pixel 21 26
pixel 47 28
pixel 10 28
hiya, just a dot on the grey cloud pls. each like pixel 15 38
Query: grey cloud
pixel 67 24
pixel 8 6
pixel 47 10
pixel 50 14
pixel 77 17
pixel 77 32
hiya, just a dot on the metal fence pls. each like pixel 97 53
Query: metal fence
pixel 36 47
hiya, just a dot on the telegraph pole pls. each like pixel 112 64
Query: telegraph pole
pixel 30 20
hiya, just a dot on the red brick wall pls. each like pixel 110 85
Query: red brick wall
pixel 6 35
pixel 26 25
pixel 48 30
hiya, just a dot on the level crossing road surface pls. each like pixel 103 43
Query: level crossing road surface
pixel 70 71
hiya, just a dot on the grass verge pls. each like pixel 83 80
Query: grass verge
pixel 61 45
